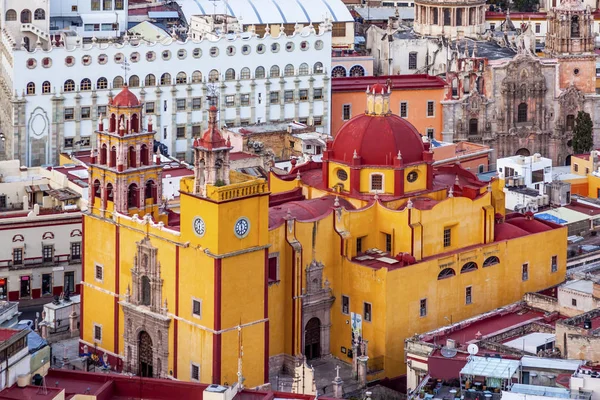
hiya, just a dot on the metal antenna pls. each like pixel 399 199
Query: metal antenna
pixel 125 67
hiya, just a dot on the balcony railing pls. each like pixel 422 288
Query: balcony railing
pixel 40 262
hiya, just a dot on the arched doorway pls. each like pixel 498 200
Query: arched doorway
pixel 523 152
pixel 567 160
pixel 312 339
pixel 145 355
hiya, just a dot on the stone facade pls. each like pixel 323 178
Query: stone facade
pixel 450 18
pixel 146 315
pixel 515 106
pixel 317 303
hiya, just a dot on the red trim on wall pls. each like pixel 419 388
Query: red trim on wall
pixel 77 288
pixel 117 273
pixel 293 301
pixel 216 373
pixel 13 296
pixel 21 225
pixel 57 290
pixel 175 322
pixel 266 309
pixel 81 306
pixel 36 293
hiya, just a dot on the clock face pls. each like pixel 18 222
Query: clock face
pixel 199 226
pixel 412 176
pixel 241 227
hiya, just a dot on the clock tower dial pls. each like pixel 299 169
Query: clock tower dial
pixel 241 227
pixel 199 226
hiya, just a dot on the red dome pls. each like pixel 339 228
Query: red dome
pixel 377 140
pixel 125 98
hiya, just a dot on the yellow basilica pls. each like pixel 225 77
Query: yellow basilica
pixel 345 257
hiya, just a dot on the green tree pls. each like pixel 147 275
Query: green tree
pixel 583 140
pixel 525 5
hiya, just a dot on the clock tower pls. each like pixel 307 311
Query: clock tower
pixel 224 217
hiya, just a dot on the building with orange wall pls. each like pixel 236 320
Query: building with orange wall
pixel 474 157
pixel 415 98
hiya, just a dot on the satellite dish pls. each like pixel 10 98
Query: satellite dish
pixel 448 352
pixel 473 349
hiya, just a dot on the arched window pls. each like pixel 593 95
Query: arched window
pixel 357 70
pixel 468 267
pixel 165 79
pixel 97 191
pixel 46 87
pixel 522 112
pixel 135 123
pixel 144 155
pixel 446 273
pixel 303 69
pixel 31 88
pixel 570 122
pixel 230 74
pixel 134 81
pixel 318 68
pixel 245 73
pixel 85 84
pixel 274 73
pixel 145 291
pixel 150 80
pixel 25 17
pixel 196 77
pixel 150 191
pixel 113 157
pixel 259 73
pixel 131 157
pixel 181 78
pixel 213 75
pixel 69 85
pixel 132 196
pixel 493 260
pixel 39 14
pixel 338 72
pixel 102 83
pixel 103 153
pixel 575 26
pixel 11 15
pixel 289 70
pixel 473 127
pixel 109 192
pixel 118 82
pixel 376 182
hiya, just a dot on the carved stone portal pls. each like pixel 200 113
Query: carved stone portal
pixel 316 312
pixel 146 330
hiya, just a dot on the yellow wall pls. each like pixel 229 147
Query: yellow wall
pixel 581 166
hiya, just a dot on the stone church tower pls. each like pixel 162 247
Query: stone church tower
pixel 571 40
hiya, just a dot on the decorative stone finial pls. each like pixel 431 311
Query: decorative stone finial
pixel 457 181
pixel 451 192
pixel 409 204
pixel 298 177
pixel 355 154
pixel 336 202
pixel 399 155
pixel 489 187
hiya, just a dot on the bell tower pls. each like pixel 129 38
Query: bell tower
pixel 571 40
pixel 123 176
pixel 211 157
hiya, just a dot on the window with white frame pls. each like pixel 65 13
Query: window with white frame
pixel 404 109
pixel 197 308
pixel 97 333
pixel 195 372
pixel 99 273
pixel 376 182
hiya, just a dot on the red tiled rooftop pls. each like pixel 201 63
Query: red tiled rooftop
pixel 28 393
pixel 177 172
pixel 6 334
pixel 304 210
pixel 583 208
pixel 489 325
pixel 399 82
pixel 240 155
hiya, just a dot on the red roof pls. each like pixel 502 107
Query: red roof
pixel 6 334
pixel 125 98
pixel 212 138
pixel 240 155
pixel 377 140
pixel 504 231
pixel 304 210
pixel 360 83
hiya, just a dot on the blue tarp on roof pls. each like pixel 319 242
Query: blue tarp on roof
pixel 551 218
pixel 163 14
pixel 359 40
pixel 34 341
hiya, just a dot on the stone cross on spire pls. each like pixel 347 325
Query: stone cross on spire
pixel 125 67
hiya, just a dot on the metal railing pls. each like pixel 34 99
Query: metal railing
pixel 40 261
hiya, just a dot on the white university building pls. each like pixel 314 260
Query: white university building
pixel 56 83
